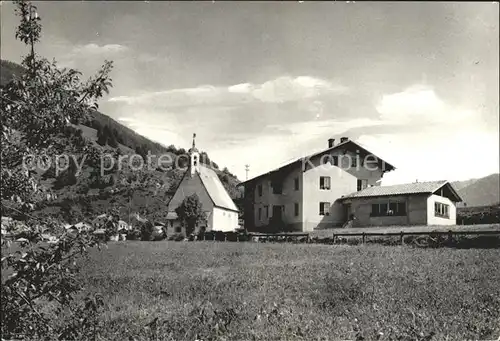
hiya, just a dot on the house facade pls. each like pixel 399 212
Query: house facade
pixel 303 195
pixel 307 194
pixel 123 226
pixel 420 203
pixel 219 208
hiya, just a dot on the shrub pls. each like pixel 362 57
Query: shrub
pixel 176 237
pixel 134 234
pixel 83 189
pixel 147 229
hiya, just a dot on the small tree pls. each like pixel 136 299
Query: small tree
pixel 101 138
pixel 190 213
pixel 112 141
pixel 147 230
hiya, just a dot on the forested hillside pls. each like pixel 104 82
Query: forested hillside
pixel 146 191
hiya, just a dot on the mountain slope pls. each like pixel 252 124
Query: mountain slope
pixel 480 192
pixel 127 190
pixel 459 185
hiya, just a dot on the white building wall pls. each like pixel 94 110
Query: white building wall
pixel 224 220
pixel 432 219
pixel 344 180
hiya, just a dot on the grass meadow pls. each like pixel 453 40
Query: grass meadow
pixel 253 291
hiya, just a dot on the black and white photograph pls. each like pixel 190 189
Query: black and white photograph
pixel 250 170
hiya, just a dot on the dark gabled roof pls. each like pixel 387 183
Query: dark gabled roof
pixel 429 187
pixel 388 166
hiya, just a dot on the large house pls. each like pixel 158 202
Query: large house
pixel 221 212
pixel 341 184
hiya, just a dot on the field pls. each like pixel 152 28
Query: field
pixel 253 291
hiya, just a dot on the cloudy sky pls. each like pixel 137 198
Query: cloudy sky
pixel 264 83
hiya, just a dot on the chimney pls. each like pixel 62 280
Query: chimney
pixel 344 139
pixel 331 143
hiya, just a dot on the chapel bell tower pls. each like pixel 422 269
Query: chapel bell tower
pixel 194 159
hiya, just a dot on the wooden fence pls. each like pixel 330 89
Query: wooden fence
pixel 401 234
pixel 436 236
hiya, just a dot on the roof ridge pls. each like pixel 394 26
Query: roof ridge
pixel 400 189
pixel 311 155
pixel 418 182
pixel 220 202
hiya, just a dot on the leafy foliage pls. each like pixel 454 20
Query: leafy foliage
pixel 478 215
pixel 38 111
pixel 191 214
pixel 147 230
pixel 40 274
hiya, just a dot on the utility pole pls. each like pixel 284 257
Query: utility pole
pixel 247 168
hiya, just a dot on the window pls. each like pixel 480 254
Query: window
pixel 335 160
pixel 371 162
pixel 277 187
pixel 296 209
pixel 260 213
pixel 296 184
pixel 324 208
pixel 354 161
pixel 259 188
pixel 178 229
pixel 441 210
pixel 362 184
pixel 324 182
pixel 266 209
pixel 389 209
